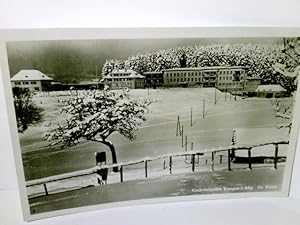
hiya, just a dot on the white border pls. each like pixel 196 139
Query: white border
pixel 135 33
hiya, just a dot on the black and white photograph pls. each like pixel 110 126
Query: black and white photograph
pixel 103 121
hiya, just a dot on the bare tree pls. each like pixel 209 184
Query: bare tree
pixel 95 114
pixel 27 113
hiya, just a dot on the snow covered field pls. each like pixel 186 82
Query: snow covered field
pixel 253 119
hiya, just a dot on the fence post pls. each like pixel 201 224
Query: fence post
pixel 193 162
pixel 178 131
pixel 170 164
pixel 185 146
pixel 229 166
pixel 191 117
pixel 203 109
pixel 45 188
pixel 212 161
pixel 221 159
pixel 146 168
pixel 121 174
pixel 182 136
pixel 276 156
pixel 249 159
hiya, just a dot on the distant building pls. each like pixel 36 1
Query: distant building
pixel 154 79
pixel 89 84
pixel 34 80
pixel 252 84
pixel 271 91
pixel 230 78
pixel 124 79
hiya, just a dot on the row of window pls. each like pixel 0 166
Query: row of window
pixel 227 84
pixel 200 73
pixel 183 79
pixel 118 79
pixel 120 74
pixel 25 82
pixel 226 78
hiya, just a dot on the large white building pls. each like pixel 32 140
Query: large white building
pixel 222 77
pixel 124 78
pixel 34 80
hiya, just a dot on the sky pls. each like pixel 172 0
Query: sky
pixel 79 59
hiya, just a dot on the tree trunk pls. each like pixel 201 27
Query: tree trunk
pixel 113 154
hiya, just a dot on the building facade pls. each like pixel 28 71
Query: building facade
pixel 222 77
pixel 124 79
pixel 153 79
pixel 33 80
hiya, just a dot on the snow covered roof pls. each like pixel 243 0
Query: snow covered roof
pixel 153 72
pixel 30 75
pixel 271 87
pixel 253 78
pixel 89 82
pixel 129 71
pixel 120 74
pixel 206 68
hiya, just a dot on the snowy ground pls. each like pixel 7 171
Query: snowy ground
pixel 253 118
pixel 219 182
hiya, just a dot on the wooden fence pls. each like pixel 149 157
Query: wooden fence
pixel 193 153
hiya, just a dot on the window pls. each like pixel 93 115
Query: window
pixel 33 82
pixel 25 82
pixel 36 89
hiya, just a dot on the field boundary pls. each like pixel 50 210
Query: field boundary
pixel 229 150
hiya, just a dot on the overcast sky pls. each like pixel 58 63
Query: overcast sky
pixel 50 56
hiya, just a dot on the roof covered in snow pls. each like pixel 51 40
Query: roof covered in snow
pixel 30 75
pixel 271 87
pixel 124 74
pixel 206 68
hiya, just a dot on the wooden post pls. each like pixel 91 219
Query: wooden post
pixel 229 166
pixel 182 136
pixel 45 188
pixel 249 159
pixel 193 162
pixel 185 143
pixel 121 174
pixel 185 146
pixel 146 168
pixel 191 116
pixel 276 156
pixel 203 109
pixel 170 164
pixel 178 131
pixel 221 159
pixel 212 161
pixel 215 95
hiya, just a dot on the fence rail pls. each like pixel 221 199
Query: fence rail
pixel 192 153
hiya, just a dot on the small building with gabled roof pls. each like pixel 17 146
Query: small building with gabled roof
pixel 34 80
pixel 271 91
